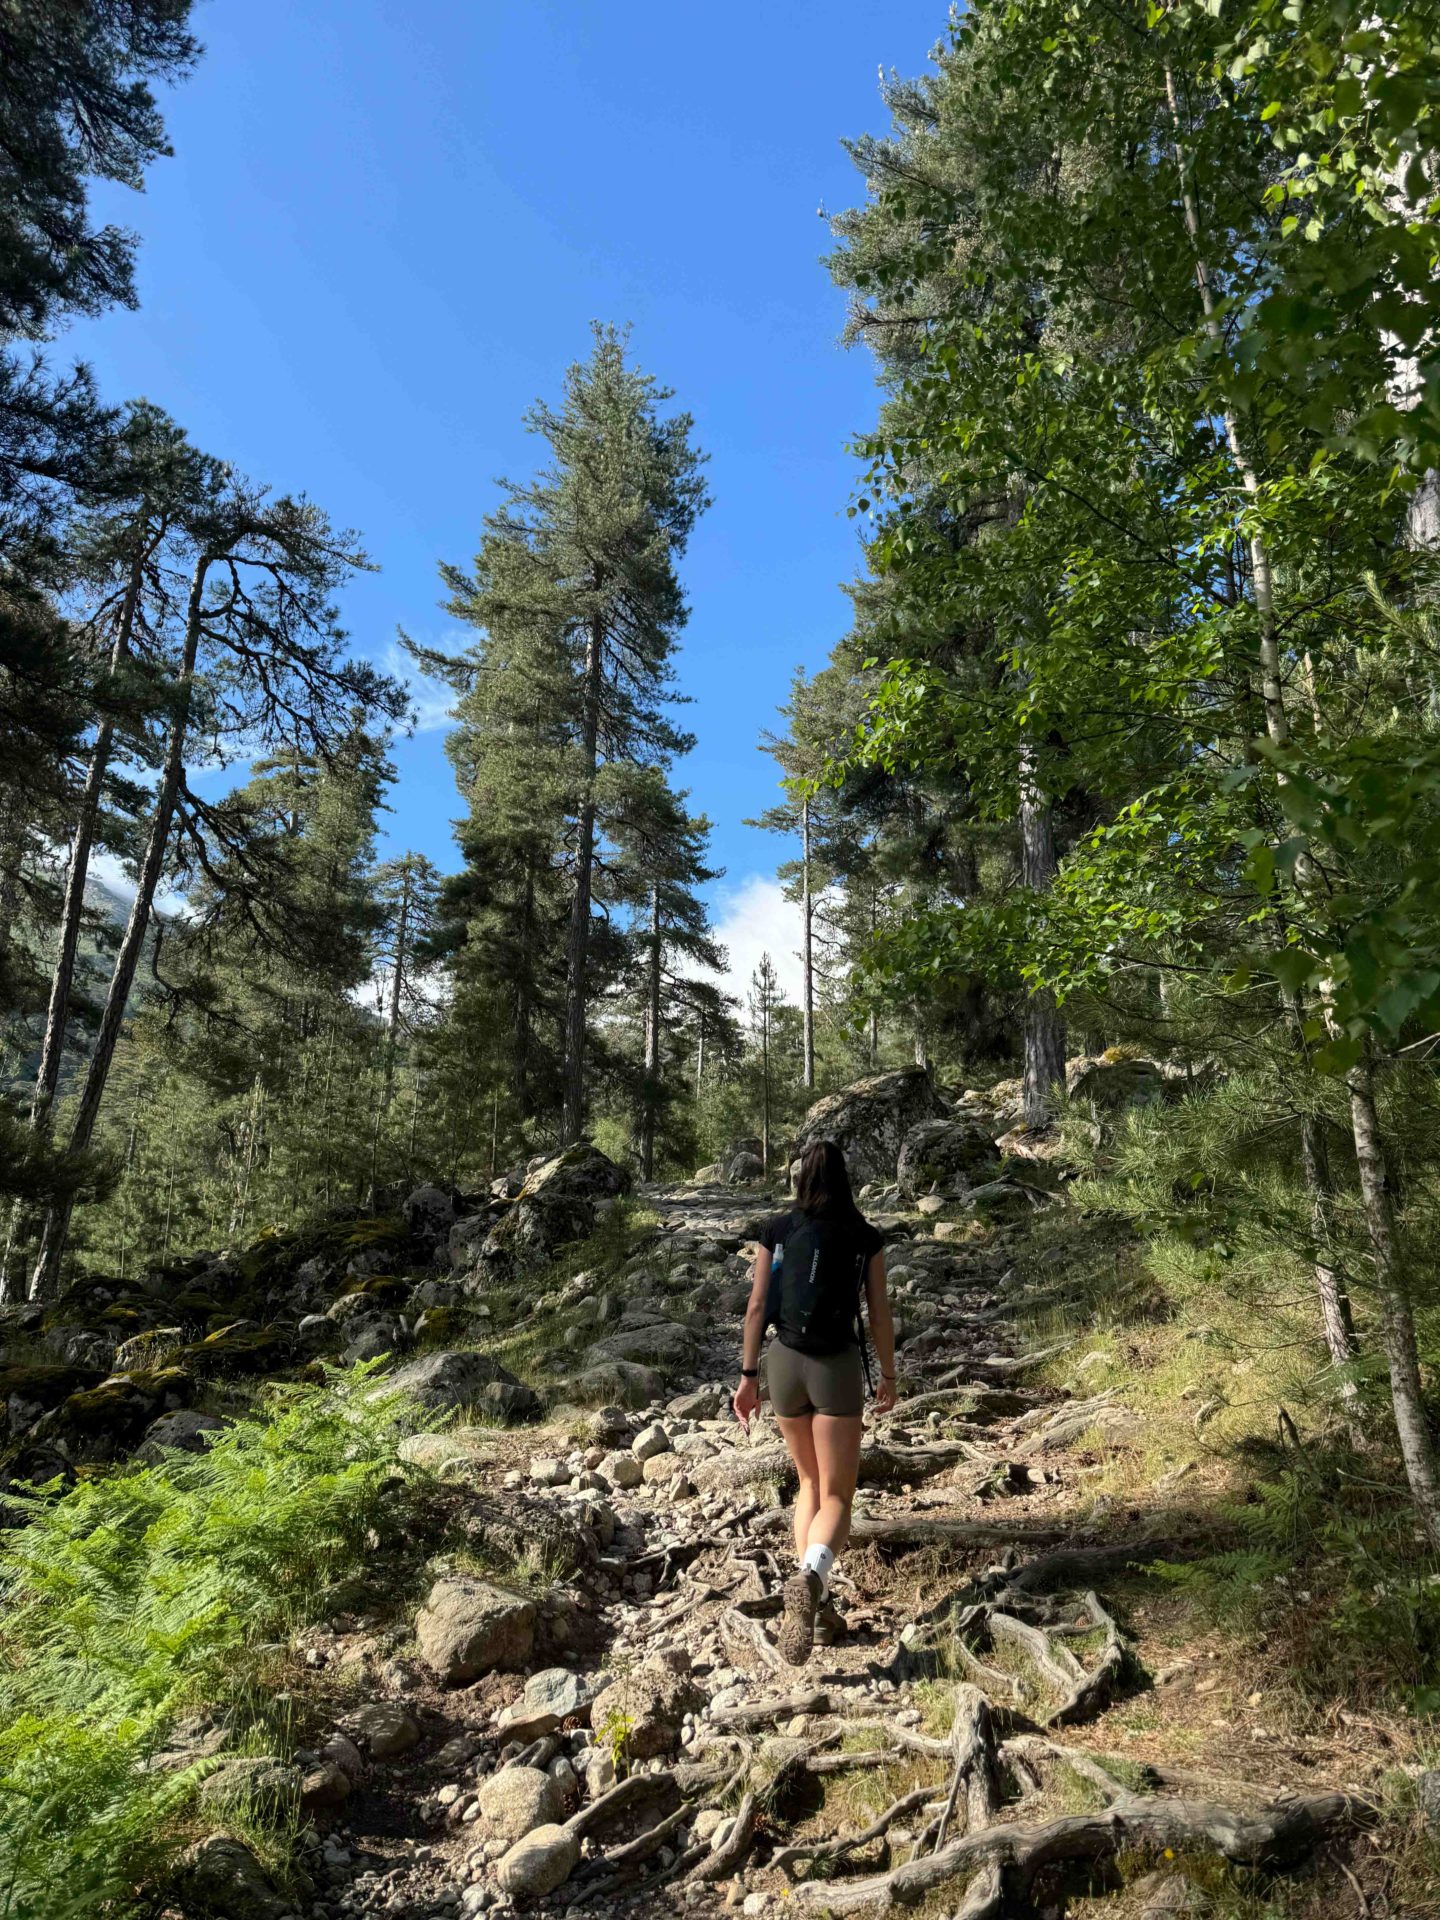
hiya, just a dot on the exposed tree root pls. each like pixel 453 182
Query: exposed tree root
pixel 621 1799
pixel 838 1849
pixel 1081 1691
pixel 1001 1863
pixel 906 1532
pixel 976 1772
pixel 729 1857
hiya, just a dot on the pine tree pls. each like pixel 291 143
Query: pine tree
pixel 256 662
pixel 766 1000
pixel 75 105
pixel 575 592
pixel 658 865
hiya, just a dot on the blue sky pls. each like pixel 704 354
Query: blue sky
pixel 386 228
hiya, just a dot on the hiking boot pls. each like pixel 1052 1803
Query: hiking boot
pixel 797 1628
pixel 829 1624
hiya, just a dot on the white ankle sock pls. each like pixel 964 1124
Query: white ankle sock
pixel 819 1560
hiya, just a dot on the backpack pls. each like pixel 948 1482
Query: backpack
pixel 817 1278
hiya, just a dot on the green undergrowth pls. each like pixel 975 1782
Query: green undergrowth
pixel 143 1596
pixel 531 1343
pixel 1303 1536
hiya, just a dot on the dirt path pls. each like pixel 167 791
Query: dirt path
pixel 991 1730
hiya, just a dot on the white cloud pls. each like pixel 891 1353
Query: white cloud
pixel 752 916
pixel 431 701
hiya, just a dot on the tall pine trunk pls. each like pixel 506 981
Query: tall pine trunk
pixel 572 1108
pixel 57 1219
pixel 652 1042
pixel 397 977
pixel 1044 1029
pixel 72 909
pixel 807 947
pixel 765 1091
pixel 72 905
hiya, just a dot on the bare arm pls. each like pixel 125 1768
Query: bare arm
pixel 755 1311
pixel 746 1397
pixel 882 1322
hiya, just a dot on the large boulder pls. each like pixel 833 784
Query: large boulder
pixel 948 1156
pixel 870 1120
pixel 745 1167
pixel 469 1627
pixel 458 1378
pixel 644 1711
pixel 664 1344
pixel 742 1143
pixel 221 1876
pixel 429 1214
pixel 1111 1082
pixel 559 1203
pixel 185 1429
pixel 624 1383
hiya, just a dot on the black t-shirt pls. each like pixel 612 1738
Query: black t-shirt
pixel 867 1239
pixel 858 1237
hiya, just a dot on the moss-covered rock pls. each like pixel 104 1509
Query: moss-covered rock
pixel 560 1203
pixel 137 1396
pixel 379 1289
pixel 237 1349
pixel 46 1384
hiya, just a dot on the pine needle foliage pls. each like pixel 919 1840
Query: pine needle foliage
pixel 144 1594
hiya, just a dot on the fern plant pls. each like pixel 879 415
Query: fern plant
pixel 146 1593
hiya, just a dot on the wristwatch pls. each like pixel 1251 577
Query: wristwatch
pixel 749 1373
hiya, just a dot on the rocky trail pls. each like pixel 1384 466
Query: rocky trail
pixel 556 1686
pixel 621 1732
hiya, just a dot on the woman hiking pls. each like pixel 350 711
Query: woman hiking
pixel 828 1256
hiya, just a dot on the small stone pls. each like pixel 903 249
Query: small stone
pixel 621 1470
pixel 599 1773
pixel 567 1781
pixel 649 1442
pixel 546 1472
pixel 384 1729
pixel 324 1788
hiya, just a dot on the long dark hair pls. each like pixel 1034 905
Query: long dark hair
pixel 823 1183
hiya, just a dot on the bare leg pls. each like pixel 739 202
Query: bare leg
pixel 801 1445
pixel 837 1456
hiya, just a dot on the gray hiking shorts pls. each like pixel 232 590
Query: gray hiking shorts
pixel 828 1383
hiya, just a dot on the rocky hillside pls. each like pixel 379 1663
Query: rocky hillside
pixel 562 1695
